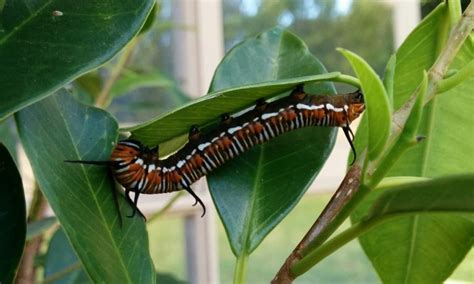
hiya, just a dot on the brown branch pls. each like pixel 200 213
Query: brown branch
pixel 27 270
pixel 331 217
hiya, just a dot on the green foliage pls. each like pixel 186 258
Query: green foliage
pixel 12 217
pixel 61 40
pixel 43 46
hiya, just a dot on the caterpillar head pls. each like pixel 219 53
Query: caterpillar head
pixel 356 105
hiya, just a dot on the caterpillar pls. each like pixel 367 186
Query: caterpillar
pixel 139 169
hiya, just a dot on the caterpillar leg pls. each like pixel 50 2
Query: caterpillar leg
pixel 198 200
pixel 261 105
pixel 298 92
pixel 133 203
pixel 194 133
pixel 350 138
pixel 226 119
pixel 115 197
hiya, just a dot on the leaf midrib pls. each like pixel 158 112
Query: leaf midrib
pixel 24 22
pixel 425 157
pixel 248 217
pixel 109 232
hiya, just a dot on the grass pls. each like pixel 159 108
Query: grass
pixel 348 265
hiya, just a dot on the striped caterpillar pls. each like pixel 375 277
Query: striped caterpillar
pixel 139 169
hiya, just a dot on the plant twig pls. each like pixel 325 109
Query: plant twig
pixel 104 96
pixel 166 207
pixel 320 230
pixel 26 271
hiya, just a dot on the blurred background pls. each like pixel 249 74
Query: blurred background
pixel 173 63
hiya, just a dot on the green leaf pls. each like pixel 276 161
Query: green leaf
pixel 174 126
pixel 150 20
pixel 58 129
pixel 447 125
pixel 448 194
pixel 61 264
pixel 130 80
pixel 397 181
pixel 416 54
pixel 264 184
pixel 37 228
pixel 9 137
pixel 168 278
pixel 388 78
pixel 376 99
pixel 12 217
pixel 429 237
pixel 46 44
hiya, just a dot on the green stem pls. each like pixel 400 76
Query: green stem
pixel 36 204
pixel 240 272
pixel 166 207
pixel 329 247
pixel 455 11
pixel 103 99
pixel 347 79
pixel 455 41
pixel 456 79
pixel 355 231
pixel 387 162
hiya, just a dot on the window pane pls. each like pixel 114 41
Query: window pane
pixel 364 27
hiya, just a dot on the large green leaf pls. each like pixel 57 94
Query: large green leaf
pixel 164 129
pixel 254 192
pixel 58 129
pixel 447 194
pixel 411 246
pixel 9 137
pixel 12 217
pixel 45 44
